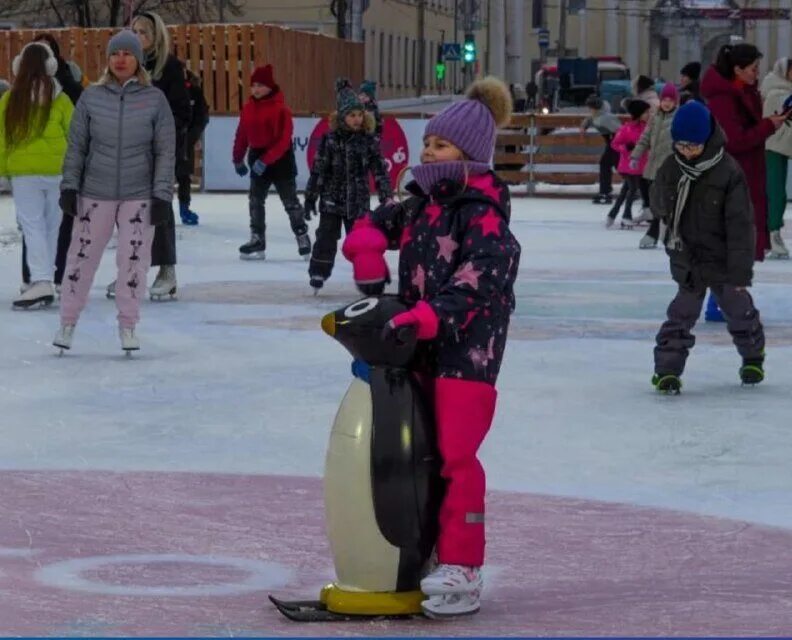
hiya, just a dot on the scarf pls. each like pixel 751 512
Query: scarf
pixel 690 173
pixel 428 175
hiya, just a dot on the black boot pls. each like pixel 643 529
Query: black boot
pixel 254 248
pixel 752 371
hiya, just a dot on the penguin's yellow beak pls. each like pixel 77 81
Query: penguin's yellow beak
pixel 329 325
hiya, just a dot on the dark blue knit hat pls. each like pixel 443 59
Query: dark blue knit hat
pixel 692 123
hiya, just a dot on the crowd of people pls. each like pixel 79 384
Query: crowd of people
pixel 111 161
pixel 708 161
pixel 719 144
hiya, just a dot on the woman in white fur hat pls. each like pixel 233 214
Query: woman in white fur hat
pixel 34 125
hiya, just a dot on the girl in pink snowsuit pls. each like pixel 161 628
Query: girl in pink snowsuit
pixel 458 261
pixel 624 142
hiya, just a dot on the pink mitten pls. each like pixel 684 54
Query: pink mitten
pixel 365 247
pixel 423 316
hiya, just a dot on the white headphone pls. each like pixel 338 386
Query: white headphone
pixel 51 64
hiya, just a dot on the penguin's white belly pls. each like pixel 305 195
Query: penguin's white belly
pixel 364 560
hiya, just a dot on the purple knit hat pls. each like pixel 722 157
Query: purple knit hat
pixel 471 124
pixel 669 91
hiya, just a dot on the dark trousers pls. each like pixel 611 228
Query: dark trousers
pixel 163 249
pixel 287 192
pixel 608 162
pixel 631 188
pixel 675 340
pixel 644 186
pixel 64 239
pixel 324 249
pixel 184 172
pixel 185 189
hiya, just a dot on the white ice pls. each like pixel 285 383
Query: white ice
pixel 249 384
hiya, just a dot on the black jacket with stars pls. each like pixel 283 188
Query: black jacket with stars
pixel 458 254
pixel 341 168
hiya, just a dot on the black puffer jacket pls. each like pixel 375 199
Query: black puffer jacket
pixel 340 172
pixel 717 224
pixel 172 84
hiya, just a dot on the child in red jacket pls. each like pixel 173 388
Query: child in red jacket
pixel 624 142
pixel 265 133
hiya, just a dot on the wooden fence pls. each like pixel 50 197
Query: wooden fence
pixel 224 55
pixel 537 150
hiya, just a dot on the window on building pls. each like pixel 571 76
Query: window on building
pixel 664 49
pixel 381 78
pixel 414 61
pixel 398 58
pixel 406 62
pixel 390 59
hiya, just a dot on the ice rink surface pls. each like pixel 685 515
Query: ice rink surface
pixel 169 493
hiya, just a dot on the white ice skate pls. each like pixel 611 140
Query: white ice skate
pixel 778 250
pixel 129 340
pixel 453 590
pixel 63 339
pixel 164 284
pixel 647 242
pixel 646 216
pixel 110 291
pixel 627 224
pixel 609 222
pixel 38 295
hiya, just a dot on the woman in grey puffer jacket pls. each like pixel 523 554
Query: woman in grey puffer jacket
pixel 118 171
pixel 656 139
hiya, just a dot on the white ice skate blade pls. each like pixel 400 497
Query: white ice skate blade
pixel 163 297
pixel 438 608
pixel 256 255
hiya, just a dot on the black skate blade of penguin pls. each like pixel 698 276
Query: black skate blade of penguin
pixel 315 611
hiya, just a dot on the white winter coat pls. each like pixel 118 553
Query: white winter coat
pixel 775 90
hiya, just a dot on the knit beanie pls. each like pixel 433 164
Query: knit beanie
pixel 644 83
pixel 471 124
pixel 692 123
pixel 126 40
pixel 369 87
pixel 636 108
pixel 346 98
pixel 669 91
pixel 692 70
pixel 264 75
pixel 594 102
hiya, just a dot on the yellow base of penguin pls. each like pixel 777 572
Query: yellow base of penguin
pixel 366 603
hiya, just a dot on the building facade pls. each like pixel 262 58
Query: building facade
pixel 402 37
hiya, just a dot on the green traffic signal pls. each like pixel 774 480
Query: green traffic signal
pixel 469 50
pixel 440 70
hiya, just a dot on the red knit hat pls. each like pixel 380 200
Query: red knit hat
pixel 264 75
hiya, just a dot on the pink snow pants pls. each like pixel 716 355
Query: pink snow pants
pixel 93 229
pixel 463 410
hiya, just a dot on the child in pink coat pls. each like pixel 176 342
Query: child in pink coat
pixel 624 142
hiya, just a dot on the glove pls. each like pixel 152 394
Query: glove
pixel 310 208
pixel 422 316
pixel 241 169
pixel 68 202
pixel 633 164
pixel 365 248
pixel 161 211
pixel 259 167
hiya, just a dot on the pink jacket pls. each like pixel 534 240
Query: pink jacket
pixel 624 142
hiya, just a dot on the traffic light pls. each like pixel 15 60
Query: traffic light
pixel 469 49
pixel 440 68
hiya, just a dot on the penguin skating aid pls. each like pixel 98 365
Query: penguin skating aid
pixel 382 483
